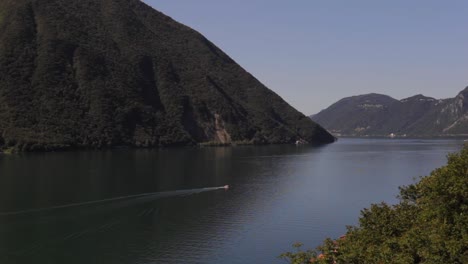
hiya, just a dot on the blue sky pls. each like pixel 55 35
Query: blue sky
pixel 313 53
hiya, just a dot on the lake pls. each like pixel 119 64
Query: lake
pixel 88 207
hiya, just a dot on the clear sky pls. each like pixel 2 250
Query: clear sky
pixel 315 52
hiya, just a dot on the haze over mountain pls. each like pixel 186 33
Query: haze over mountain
pixel 101 73
pixel 382 115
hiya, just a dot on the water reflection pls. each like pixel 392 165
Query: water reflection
pixel 279 195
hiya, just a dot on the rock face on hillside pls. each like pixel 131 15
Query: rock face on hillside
pixel 381 115
pixel 101 73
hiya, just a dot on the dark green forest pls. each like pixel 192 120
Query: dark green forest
pixel 104 73
pixel 429 225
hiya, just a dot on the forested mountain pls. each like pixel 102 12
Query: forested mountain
pixel 381 115
pixel 101 73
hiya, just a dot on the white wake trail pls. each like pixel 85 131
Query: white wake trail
pixel 136 196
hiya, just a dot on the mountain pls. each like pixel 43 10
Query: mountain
pixel 381 115
pixel 103 73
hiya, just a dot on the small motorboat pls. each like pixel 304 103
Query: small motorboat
pixel 226 187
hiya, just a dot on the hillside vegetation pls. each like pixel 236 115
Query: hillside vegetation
pixel 103 73
pixel 429 225
pixel 382 115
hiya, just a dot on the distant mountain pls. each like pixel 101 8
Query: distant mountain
pixel 102 73
pixel 381 115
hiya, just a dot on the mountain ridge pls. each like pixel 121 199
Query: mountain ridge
pixel 382 115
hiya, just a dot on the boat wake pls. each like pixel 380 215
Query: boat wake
pixel 144 197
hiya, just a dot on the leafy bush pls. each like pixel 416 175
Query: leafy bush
pixel 429 225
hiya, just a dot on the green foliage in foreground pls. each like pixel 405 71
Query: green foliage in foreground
pixel 429 225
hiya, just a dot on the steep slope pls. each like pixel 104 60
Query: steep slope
pixel 381 115
pixel 97 73
pixel 447 117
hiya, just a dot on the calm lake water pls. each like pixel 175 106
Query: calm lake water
pixel 279 195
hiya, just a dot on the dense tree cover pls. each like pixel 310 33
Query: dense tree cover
pixel 380 115
pixel 429 225
pixel 99 73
